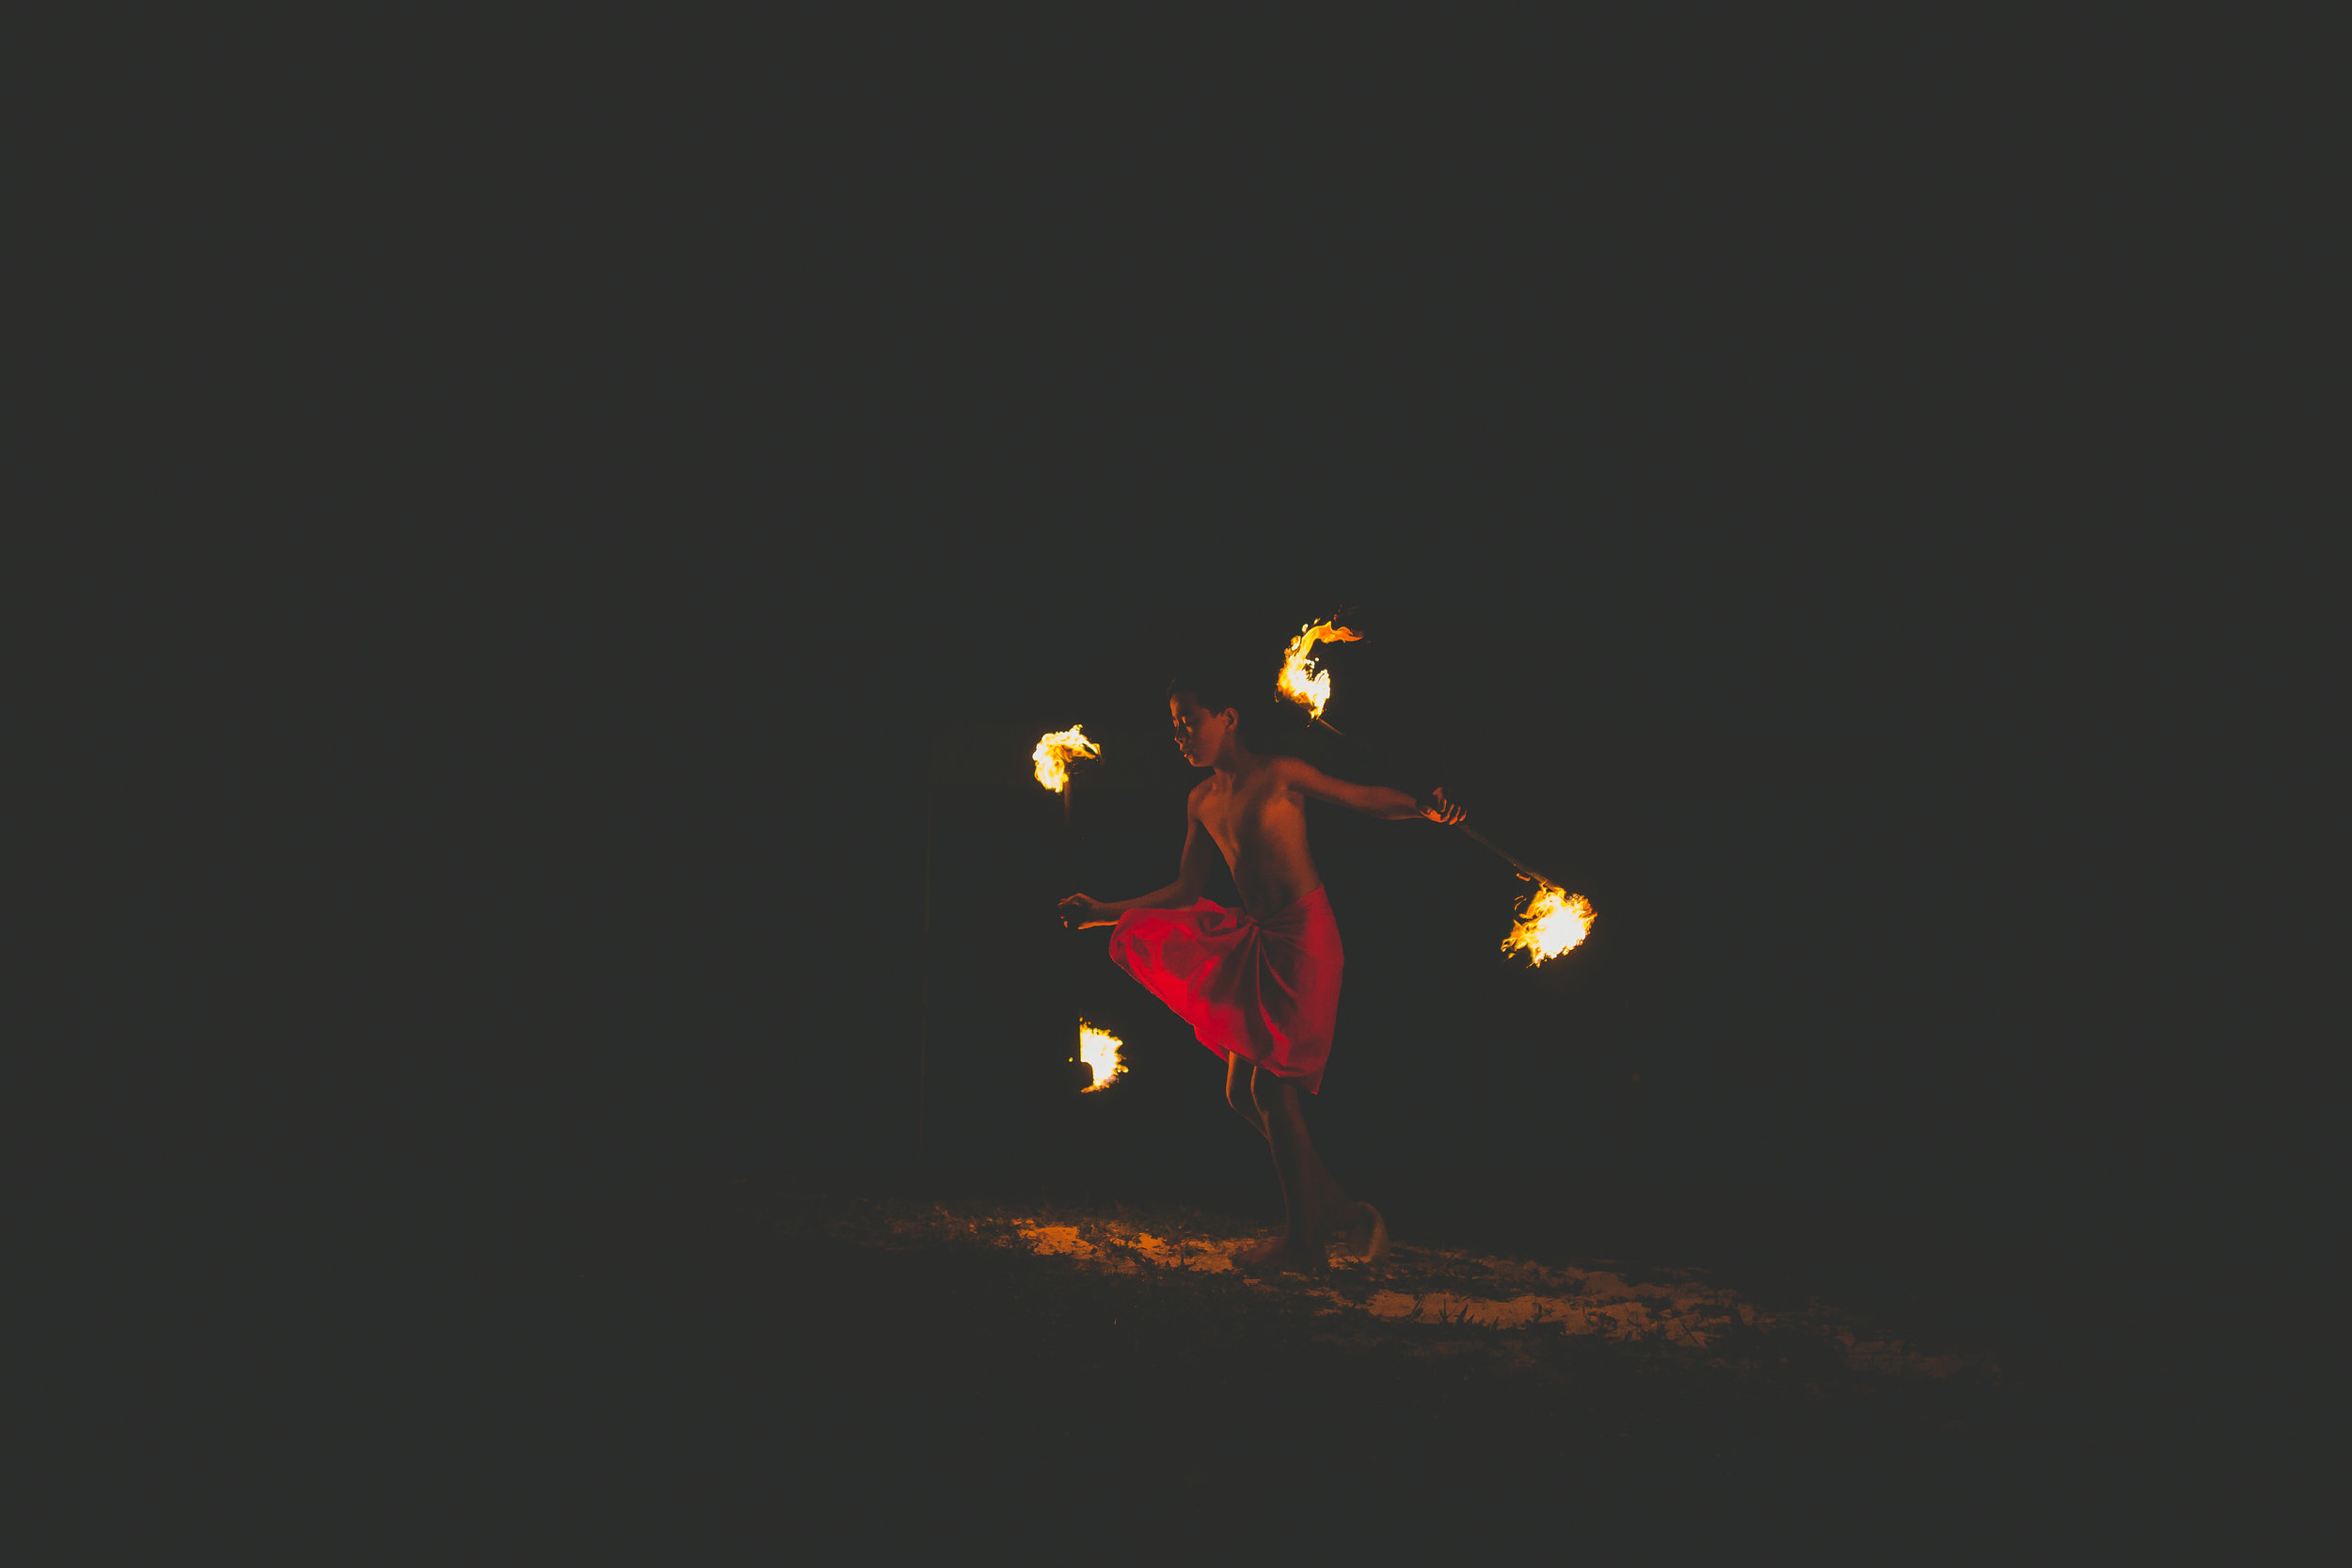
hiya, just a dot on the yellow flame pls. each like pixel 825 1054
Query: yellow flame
pixel 1300 681
pixel 1053 752
pixel 1099 1050
pixel 1549 922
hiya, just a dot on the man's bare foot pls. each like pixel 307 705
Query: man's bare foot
pixel 1360 1233
pixel 1276 1256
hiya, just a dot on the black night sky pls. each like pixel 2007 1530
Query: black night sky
pixel 636 489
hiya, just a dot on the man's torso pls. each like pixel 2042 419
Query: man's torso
pixel 1261 825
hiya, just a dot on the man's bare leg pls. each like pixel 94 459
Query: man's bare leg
pixel 1237 1075
pixel 1239 1093
pixel 1313 1204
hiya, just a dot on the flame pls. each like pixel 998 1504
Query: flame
pixel 1053 752
pixel 1099 1050
pixel 1300 681
pixel 1551 923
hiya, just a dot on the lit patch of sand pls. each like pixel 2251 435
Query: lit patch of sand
pixel 1121 1250
pixel 1618 1318
pixel 1463 1289
pixel 1053 1239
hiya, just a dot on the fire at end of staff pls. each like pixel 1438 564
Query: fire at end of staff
pixel 1099 1050
pixel 1055 752
pixel 1551 922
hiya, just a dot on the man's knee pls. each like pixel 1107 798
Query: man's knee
pixel 1269 1093
pixel 1237 1095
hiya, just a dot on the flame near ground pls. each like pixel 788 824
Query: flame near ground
pixel 1099 1050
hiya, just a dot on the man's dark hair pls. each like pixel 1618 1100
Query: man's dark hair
pixel 1215 689
pixel 1219 683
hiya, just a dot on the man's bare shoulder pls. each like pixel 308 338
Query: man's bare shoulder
pixel 1291 772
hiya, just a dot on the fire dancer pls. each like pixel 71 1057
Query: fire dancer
pixel 1259 984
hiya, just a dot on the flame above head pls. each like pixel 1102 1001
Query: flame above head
pixel 1300 681
pixel 1053 752
pixel 1551 923
pixel 1099 1050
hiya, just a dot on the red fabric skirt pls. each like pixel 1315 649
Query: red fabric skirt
pixel 1268 989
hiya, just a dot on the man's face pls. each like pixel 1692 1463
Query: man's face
pixel 1200 733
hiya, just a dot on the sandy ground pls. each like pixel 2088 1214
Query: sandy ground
pixel 1503 1309
pixel 714 1365
pixel 1440 1287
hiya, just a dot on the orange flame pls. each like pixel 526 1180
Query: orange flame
pixel 1549 922
pixel 1099 1050
pixel 1300 681
pixel 1053 752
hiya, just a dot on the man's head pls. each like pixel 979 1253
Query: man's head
pixel 1205 704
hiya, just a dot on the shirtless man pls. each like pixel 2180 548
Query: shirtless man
pixel 1260 985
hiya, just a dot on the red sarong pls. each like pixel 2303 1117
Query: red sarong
pixel 1268 989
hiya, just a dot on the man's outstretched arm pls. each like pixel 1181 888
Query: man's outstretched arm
pixel 1372 799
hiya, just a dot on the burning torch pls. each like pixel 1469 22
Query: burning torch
pixel 1300 681
pixel 1054 756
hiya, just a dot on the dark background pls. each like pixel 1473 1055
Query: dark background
pixel 611 491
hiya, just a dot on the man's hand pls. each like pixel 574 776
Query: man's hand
pixel 1080 911
pixel 1435 807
